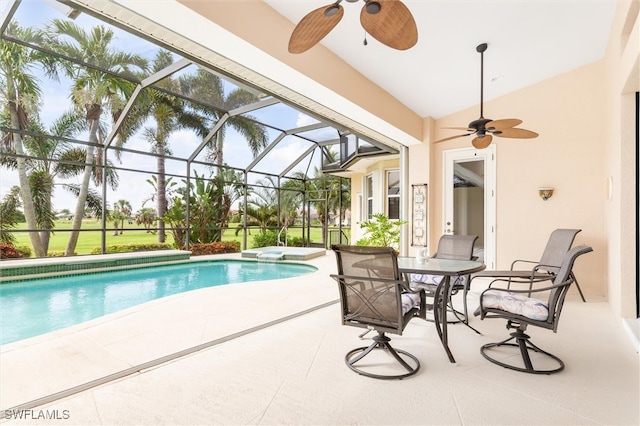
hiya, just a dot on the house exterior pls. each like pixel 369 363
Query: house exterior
pixel 586 150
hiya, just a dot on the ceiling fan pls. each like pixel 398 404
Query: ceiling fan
pixel 484 128
pixel 388 21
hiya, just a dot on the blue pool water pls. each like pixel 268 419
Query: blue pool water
pixel 33 307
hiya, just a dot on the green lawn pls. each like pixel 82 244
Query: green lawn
pixel 90 237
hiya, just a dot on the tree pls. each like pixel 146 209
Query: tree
pixel 121 212
pixel 93 90
pixel 170 115
pixel 9 215
pixel 147 217
pixel 208 90
pixel 331 193
pixel 19 93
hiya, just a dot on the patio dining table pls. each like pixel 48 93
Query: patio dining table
pixel 447 268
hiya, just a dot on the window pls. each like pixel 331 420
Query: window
pixel 393 194
pixel 369 192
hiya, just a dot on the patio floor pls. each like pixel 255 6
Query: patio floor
pixel 292 371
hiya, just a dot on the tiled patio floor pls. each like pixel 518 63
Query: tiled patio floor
pixel 293 372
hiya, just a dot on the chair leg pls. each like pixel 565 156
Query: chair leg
pixel 524 344
pixel 575 280
pixel 382 342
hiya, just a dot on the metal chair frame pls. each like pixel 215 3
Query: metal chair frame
pixel 371 289
pixel 556 296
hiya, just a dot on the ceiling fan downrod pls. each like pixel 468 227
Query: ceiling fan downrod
pixel 481 49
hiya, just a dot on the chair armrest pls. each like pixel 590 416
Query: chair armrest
pixel 531 262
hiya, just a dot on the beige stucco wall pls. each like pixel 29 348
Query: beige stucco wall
pixel 622 79
pixel 567 156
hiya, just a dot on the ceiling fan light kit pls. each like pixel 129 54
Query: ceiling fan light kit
pixel 388 21
pixel 485 128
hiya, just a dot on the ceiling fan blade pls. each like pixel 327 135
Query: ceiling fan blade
pixel 517 134
pixel 507 123
pixel 390 22
pixel 451 137
pixel 482 142
pixel 314 26
pixel 460 128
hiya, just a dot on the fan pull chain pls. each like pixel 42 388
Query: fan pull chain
pixel 365 42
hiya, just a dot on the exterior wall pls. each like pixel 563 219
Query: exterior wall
pixel 358 198
pixel 567 156
pixel 622 79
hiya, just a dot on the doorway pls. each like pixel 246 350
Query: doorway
pixel 469 198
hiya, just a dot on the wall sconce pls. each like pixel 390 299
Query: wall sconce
pixel 545 193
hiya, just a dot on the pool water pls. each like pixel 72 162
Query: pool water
pixel 33 307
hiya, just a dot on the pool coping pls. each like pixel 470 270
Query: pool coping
pixel 22 269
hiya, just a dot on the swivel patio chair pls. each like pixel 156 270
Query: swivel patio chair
pixel 558 245
pixel 539 307
pixel 457 247
pixel 374 296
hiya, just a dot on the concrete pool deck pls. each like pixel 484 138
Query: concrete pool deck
pixel 292 371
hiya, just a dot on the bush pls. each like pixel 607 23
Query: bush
pixel 131 248
pixel 265 239
pixel 25 251
pixel 59 254
pixel 8 251
pixel 199 249
pixel 296 242
pixel 270 239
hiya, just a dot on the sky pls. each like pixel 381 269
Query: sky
pixel 133 188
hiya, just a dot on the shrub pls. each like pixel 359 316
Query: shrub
pixel 265 239
pixel 8 251
pixel 59 254
pixel 25 251
pixel 130 248
pixel 270 238
pixel 199 249
pixel 296 242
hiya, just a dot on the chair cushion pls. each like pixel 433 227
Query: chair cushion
pixel 409 301
pixel 433 279
pixel 515 303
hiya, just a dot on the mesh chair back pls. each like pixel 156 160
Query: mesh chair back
pixel 370 292
pixel 456 247
pixel 559 243
pixel 564 276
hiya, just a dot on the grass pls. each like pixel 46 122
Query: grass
pixel 91 236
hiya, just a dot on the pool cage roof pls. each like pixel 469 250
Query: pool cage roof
pixel 309 140
pixel 226 123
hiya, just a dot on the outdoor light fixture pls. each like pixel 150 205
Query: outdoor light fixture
pixel 545 193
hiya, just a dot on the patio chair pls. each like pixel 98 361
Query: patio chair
pixel 458 247
pixel 558 245
pixel 540 307
pixel 374 296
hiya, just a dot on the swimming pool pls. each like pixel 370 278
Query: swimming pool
pixel 33 307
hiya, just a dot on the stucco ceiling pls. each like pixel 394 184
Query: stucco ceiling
pixel 529 41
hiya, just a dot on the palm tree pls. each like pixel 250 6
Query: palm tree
pixel 169 115
pixel 122 210
pixel 9 215
pixel 19 93
pixel 333 192
pixel 93 90
pixel 208 89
